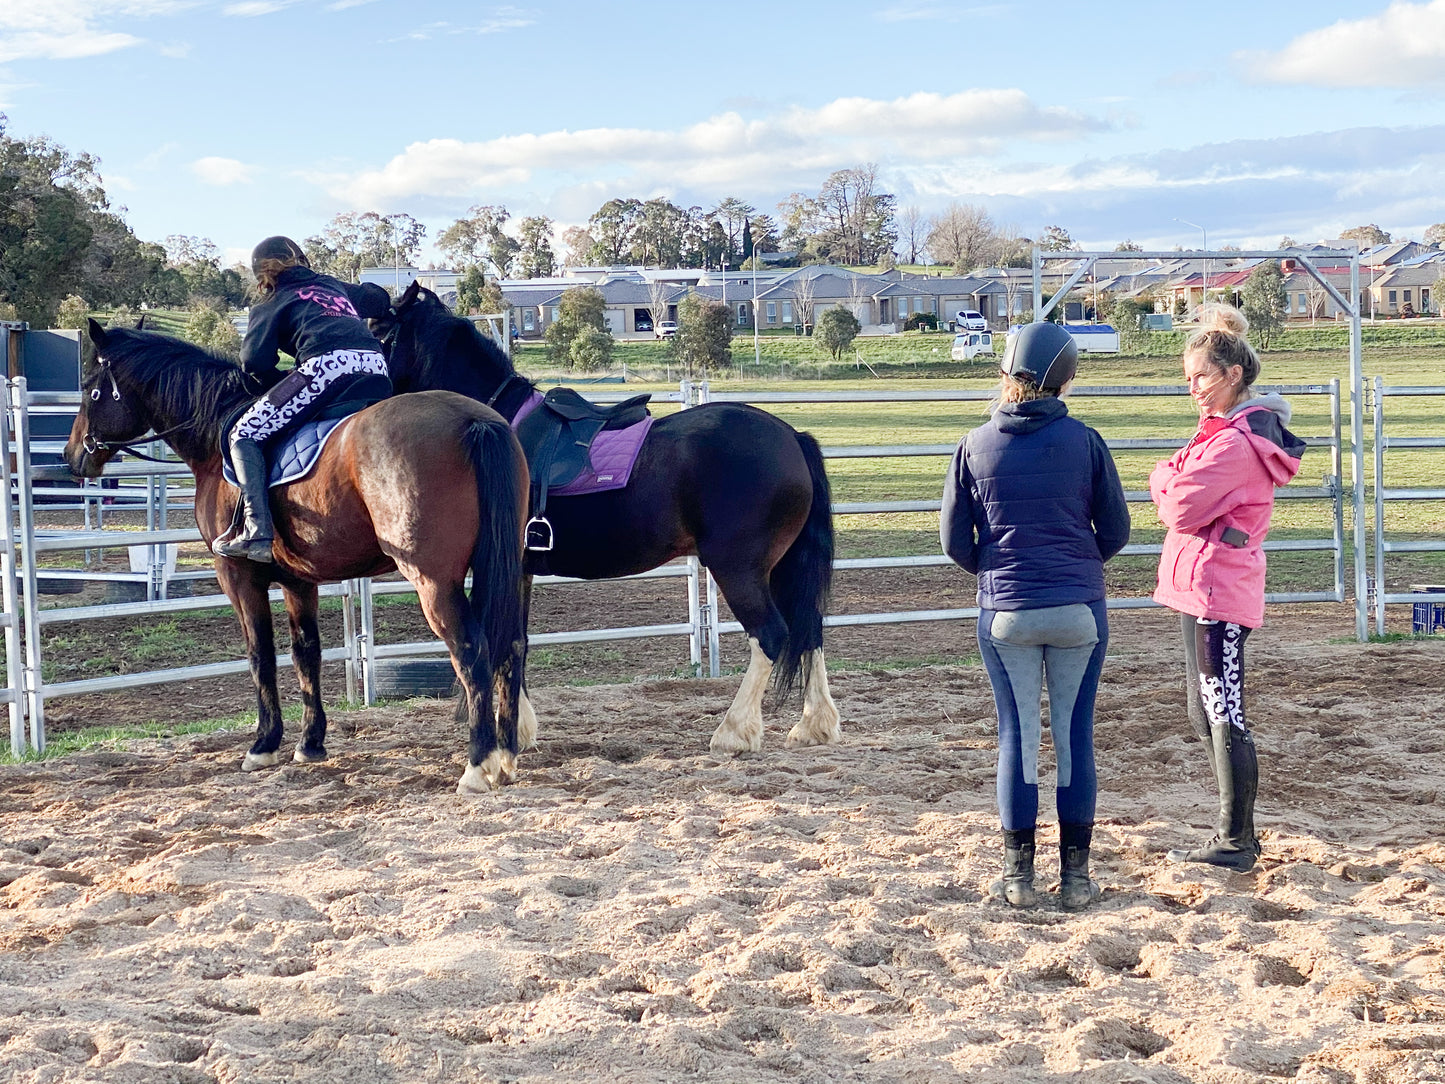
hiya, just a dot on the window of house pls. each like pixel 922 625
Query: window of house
pixel 772 312
pixel 787 312
pixel 1303 303
pixel 556 313
pixel 903 308
pixel 528 324
pixel 742 313
pixel 918 304
pixel 1424 299
pixel 1392 298
pixel 1407 297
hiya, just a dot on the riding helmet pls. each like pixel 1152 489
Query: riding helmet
pixel 278 248
pixel 1043 352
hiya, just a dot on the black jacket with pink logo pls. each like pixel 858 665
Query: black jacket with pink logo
pixel 308 315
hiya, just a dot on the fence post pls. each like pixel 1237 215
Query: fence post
pixel 1338 483
pixel 368 643
pixel 348 633
pixel 1379 412
pixel 14 669
pixel 34 682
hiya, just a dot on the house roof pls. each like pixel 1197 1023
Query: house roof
pixel 1414 274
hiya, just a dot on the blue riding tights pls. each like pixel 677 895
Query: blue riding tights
pixel 1065 646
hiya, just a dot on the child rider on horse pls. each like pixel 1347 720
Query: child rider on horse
pixel 339 370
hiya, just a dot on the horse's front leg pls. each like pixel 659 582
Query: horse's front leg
pixel 246 585
pixel 301 608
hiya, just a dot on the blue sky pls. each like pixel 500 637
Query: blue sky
pixel 234 119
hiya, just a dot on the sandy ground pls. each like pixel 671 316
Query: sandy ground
pixel 637 909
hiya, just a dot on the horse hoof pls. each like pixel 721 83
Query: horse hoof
pixel 305 756
pixel 727 739
pixel 254 761
pixel 491 774
pixel 814 732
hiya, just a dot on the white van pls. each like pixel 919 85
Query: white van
pixel 969 344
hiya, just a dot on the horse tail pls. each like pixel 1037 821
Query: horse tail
pixel 803 579
pixel 496 598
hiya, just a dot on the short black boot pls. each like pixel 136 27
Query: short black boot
pixel 1234 845
pixel 1076 890
pixel 254 542
pixel 1017 884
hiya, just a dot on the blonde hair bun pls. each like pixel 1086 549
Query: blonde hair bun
pixel 1216 316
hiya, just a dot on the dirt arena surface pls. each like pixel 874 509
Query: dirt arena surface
pixel 637 909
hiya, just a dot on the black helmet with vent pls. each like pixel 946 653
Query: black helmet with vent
pixel 1045 353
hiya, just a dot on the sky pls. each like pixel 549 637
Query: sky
pixel 1221 122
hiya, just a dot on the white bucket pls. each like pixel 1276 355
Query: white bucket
pixel 140 558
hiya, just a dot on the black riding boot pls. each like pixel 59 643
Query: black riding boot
pixel 254 541
pixel 1017 884
pixel 1234 845
pixel 1076 890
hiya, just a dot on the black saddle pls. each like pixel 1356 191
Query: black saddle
pixel 556 437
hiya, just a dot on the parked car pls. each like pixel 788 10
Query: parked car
pixel 665 329
pixel 969 344
pixel 968 320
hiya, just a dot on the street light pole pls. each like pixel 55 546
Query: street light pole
pixel 1204 274
pixel 757 348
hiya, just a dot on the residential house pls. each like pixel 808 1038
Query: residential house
pixel 1408 289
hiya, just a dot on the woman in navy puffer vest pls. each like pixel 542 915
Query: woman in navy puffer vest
pixel 1033 507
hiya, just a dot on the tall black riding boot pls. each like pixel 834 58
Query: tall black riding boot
pixel 1234 845
pixel 1076 890
pixel 1017 884
pixel 254 541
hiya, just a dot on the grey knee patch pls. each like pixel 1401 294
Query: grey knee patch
pixel 1066 669
pixel 1025 677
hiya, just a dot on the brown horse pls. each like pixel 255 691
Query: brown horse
pixel 434 486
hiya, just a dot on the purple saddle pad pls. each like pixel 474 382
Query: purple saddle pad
pixel 611 457
pixel 293 455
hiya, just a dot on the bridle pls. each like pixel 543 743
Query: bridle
pixel 91 446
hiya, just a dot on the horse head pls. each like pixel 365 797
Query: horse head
pixel 433 348
pixel 107 418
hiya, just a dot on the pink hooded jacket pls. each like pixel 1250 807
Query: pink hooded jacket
pixel 1224 477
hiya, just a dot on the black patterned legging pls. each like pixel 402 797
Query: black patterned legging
pixel 295 396
pixel 1214 673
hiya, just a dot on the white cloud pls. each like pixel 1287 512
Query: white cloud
pixel 222 171
pixel 248 9
pixel 723 150
pixel 71 29
pixel 500 21
pixel 918 10
pixel 1404 45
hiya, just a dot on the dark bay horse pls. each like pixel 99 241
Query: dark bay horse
pixel 432 485
pixel 738 487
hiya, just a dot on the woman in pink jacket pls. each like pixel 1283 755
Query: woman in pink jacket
pixel 1216 495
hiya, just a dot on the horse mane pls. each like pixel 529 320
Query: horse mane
pixel 452 352
pixel 183 381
